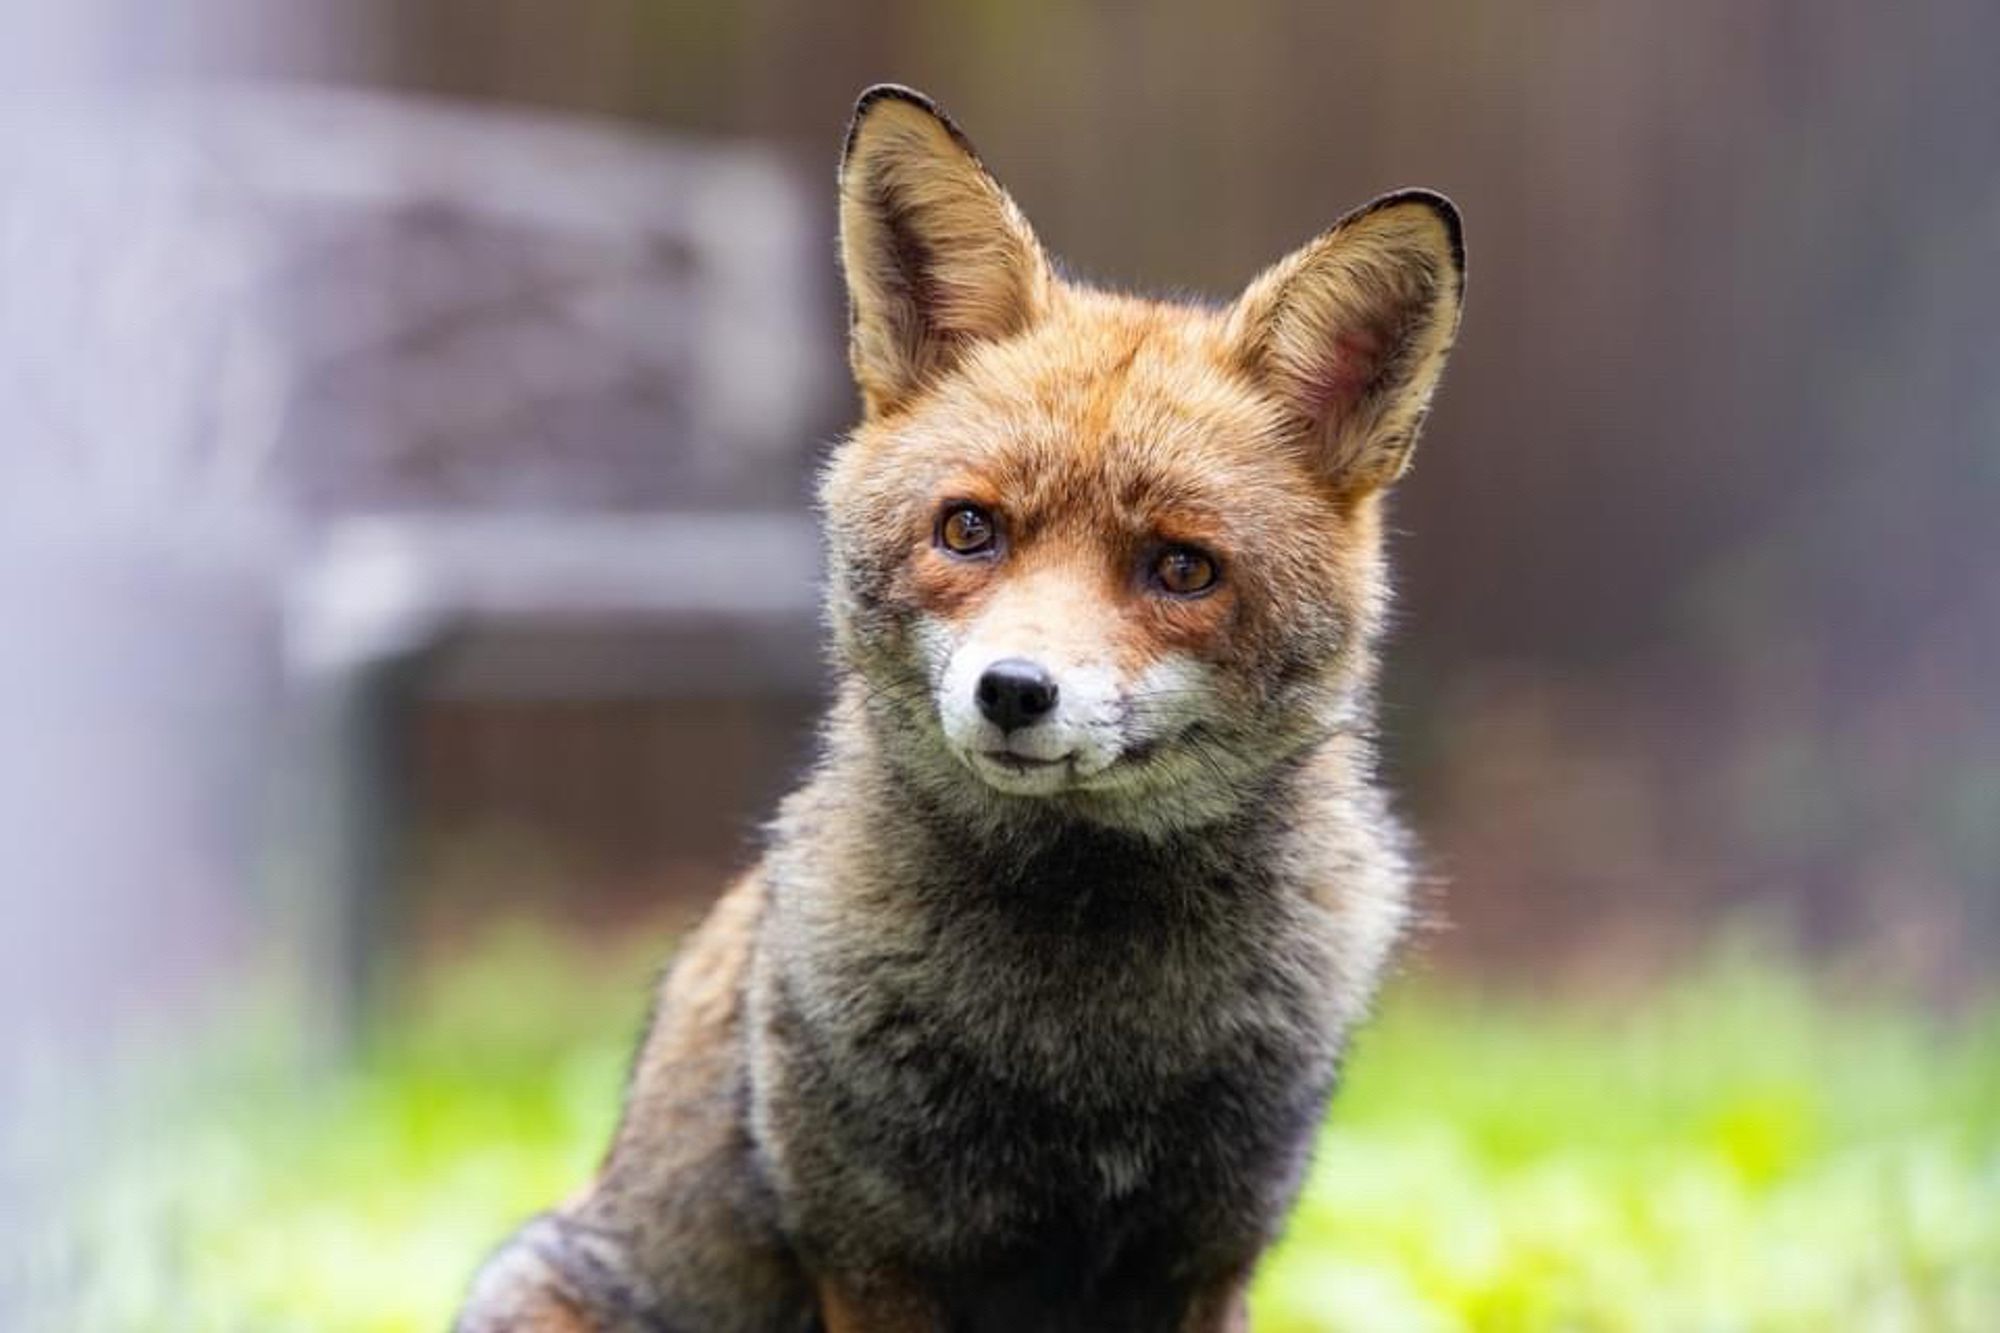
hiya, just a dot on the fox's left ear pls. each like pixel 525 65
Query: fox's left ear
pixel 937 257
pixel 1351 331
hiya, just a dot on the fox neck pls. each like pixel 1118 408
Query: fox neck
pixel 876 864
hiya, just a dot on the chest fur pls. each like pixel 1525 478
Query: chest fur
pixel 1114 1045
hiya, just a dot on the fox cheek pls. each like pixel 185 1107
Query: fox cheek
pixel 863 578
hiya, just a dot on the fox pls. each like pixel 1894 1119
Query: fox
pixel 1028 1014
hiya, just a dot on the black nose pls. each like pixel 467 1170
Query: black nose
pixel 1015 692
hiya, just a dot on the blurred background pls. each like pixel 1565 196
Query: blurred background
pixel 407 591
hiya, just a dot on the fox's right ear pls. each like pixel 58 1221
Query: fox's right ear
pixel 937 256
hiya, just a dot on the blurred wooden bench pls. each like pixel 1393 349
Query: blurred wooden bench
pixel 489 404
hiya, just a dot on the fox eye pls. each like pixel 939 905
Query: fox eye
pixel 967 529
pixel 1183 571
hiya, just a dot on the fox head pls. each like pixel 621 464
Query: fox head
pixel 1104 557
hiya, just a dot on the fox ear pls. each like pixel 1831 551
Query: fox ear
pixel 937 256
pixel 1351 331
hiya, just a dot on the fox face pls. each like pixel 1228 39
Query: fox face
pixel 1105 556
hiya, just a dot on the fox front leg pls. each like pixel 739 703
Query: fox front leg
pixel 878 1305
pixel 1223 1308
pixel 875 1305
pixel 555 1276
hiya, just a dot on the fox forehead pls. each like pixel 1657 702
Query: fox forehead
pixel 1116 415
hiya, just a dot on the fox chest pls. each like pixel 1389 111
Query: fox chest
pixel 1027 1092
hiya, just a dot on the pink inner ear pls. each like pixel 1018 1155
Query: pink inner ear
pixel 1351 365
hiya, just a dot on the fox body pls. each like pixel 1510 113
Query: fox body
pixel 1028 1014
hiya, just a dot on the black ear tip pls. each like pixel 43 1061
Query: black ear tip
pixel 876 95
pixel 1440 205
pixel 892 92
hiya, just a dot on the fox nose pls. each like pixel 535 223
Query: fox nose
pixel 1015 692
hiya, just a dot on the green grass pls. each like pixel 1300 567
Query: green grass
pixel 1745 1149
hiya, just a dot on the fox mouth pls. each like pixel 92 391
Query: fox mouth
pixel 1018 774
pixel 1014 762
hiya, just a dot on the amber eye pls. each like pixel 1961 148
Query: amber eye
pixel 1183 571
pixel 966 529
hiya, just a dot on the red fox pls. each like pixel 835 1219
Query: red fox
pixel 1028 1014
